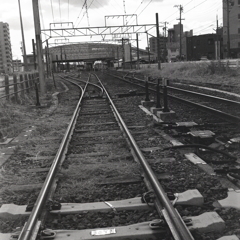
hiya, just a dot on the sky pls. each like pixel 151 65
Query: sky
pixel 198 15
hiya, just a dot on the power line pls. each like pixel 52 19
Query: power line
pixel 145 8
pixel 60 10
pixel 52 11
pixel 80 13
pixel 87 12
pixel 68 10
pixel 195 6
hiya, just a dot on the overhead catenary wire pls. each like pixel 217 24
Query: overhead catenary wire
pixel 68 10
pixel 59 4
pixel 52 11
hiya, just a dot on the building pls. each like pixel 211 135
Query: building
pixel 162 47
pixel 231 28
pixel 17 65
pixel 173 43
pixel 203 46
pixel 5 49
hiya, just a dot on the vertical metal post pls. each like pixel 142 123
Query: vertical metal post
pixel 146 88
pixel 15 87
pixel 228 31
pixel 118 56
pixel 39 46
pixel 158 43
pixel 37 95
pixel 131 55
pixel 158 105
pixel 165 95
pixel 54 82
pixel 26 83
pixel 180 32
pixel 49 60
pixel 46 57
pixel 138 66
pixel 148 48
pixel 7 86
pixel 34 54
pixel 217 54
pixel 123 54
pixel 22 85
pixel 23 40
pixel 30 80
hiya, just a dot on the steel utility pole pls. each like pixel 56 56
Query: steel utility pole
pixel 158 43
pixel 148 48
pixel 34 55
pixel 180 7
pixel 39 46
pixel 23 40
pixel 165 28
pixel 138 65
pixel 217 55
pixel 228 31
pixel 165 40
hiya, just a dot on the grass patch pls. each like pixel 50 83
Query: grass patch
pixel 203 72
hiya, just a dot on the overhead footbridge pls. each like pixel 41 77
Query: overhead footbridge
pixel 85 52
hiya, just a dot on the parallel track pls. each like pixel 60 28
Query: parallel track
pixel 226 109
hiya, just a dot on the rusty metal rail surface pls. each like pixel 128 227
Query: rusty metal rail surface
pixel 178 228
pixel 31 225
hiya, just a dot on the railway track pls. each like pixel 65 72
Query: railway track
pixel 223 107
pixel 100 159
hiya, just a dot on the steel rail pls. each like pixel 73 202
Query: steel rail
pixel 97 86
pixel 178 228
pixel 192 92
pixel 225 116
pixel 29 227
pixel 205 95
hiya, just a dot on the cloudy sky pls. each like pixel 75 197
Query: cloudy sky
pixel 199 15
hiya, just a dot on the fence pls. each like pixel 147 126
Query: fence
pixel 17 85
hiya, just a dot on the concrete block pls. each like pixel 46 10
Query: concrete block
pixel 190 197
pixel 206 222
pixel 167 116
pixel 175 142
pixel 5 236
pixel 194 158
pixel 232 201
pixel 230 237
pixel 12 210
pixel 154 110
pixel 148 104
